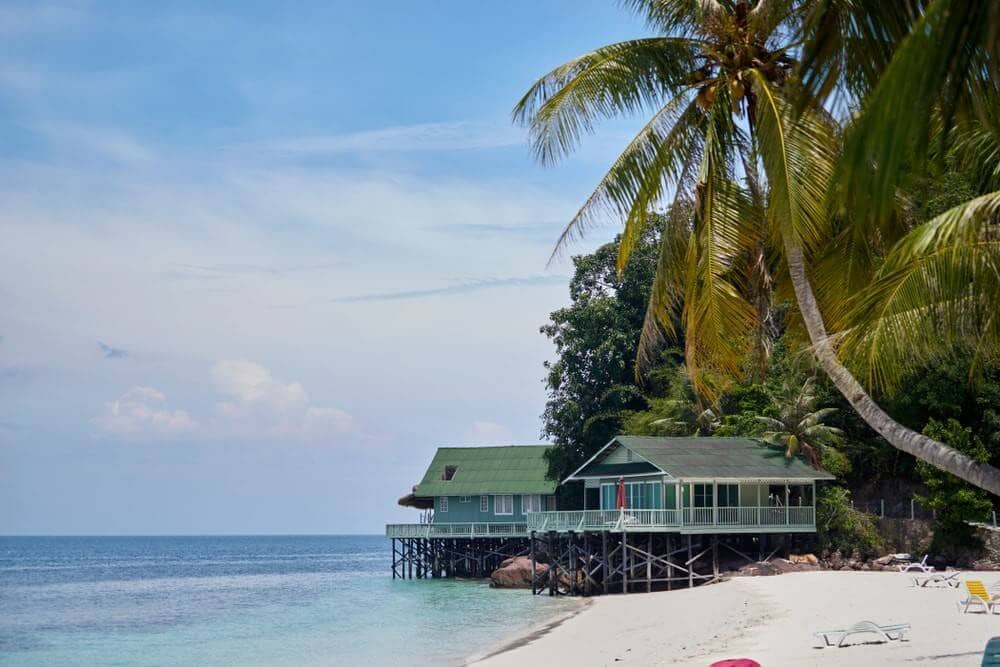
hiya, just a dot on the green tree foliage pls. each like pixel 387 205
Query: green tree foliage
pixel 798 426
pixel 841 527
pixel 954 501
pixel 591 383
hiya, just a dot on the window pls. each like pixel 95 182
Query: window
pixel 463 499
pixel 449 472
pixel 635 496
pixel 531 503
pixel 608 492
pixel 443 504
pixel 550 503
pixel 503 504
pixel 729 495
pixel 703 495
pixel 484 503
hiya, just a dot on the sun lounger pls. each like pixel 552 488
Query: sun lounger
pixel 950 579
pixel 887 633
pixel 922 566
pixel 979 597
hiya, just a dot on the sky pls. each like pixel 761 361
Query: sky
pixel 259 259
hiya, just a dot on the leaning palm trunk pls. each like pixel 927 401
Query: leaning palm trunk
pixel 933 452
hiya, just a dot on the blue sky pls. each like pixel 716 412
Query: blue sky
pixel 260 258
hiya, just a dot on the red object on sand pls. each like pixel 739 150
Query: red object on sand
pixel 620 497
pixel 736 662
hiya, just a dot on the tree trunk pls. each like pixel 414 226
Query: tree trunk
pixel 933 452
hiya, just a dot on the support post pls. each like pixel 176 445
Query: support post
pixel 690 565
pixel 624 560
pixel 715 556
pixel 531 550
pixel 606 571
pixel 649 563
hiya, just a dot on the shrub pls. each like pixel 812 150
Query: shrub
pixel 841 527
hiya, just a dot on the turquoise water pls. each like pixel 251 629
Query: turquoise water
pixel 301 600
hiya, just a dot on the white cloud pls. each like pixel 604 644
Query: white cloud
pixel 418 137
pixel 255 402
pixel 487 433
pixel 143 411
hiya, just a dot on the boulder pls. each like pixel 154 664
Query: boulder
pixel 805 559
pixel 515 573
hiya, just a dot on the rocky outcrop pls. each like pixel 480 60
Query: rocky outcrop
pixel 515 573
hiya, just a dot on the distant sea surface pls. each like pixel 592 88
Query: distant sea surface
pixel 298 600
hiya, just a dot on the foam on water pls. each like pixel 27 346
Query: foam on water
pixel 322 600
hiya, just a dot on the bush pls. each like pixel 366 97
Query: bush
pixel 841 527
pixel 956 502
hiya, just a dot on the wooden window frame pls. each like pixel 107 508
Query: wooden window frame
pixel 443 505
pixel 484 504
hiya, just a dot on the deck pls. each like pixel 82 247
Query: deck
pixel 685 521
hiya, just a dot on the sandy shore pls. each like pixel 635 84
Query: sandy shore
pixel 769 619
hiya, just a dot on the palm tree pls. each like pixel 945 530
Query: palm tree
pixel 798 426
pixel 720 80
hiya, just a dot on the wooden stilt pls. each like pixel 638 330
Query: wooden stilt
pixel 606 571
pixel 690 565
pixel 624 561
pixel 531 550
pixel 715 556
pixel 649 564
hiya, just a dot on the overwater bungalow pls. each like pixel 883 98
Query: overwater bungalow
pixel 646 502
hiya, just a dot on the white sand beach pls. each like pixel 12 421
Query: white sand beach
pixel 769 619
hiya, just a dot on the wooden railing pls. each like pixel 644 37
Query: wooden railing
pixel 689 517
pixel 458 530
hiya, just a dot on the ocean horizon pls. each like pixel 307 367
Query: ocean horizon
pixel 226 599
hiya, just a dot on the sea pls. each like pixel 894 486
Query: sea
pixel 244 600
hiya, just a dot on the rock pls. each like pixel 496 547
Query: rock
pixel 866 567
pixel 807 559
pixel 846 568
pixel 885 560
pixel 515 573
pixel 836 560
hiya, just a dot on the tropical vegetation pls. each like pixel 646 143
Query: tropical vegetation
pixel 790 131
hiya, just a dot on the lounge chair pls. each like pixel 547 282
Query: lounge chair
pixel 950 579
pixel 887 633
pixel 979 596
pixel 922 566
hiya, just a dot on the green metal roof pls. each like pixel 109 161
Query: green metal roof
pixel 726 458
pixel 615 469
pixel 487 470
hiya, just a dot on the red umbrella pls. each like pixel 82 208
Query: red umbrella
pixel 620 497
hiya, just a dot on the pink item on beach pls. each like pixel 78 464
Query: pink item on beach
pixel 736 662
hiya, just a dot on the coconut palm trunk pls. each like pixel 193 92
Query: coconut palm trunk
pixel 927 449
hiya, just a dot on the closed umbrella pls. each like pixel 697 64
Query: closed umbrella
pixel 620 497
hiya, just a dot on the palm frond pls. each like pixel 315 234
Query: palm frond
pixel 798 155
pixel 944 63
pixel 673 16
pixel 938 290
pixel 621 78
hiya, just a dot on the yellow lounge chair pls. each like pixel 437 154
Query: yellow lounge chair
pixel 978 595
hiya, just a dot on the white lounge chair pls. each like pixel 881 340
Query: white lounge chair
pixel 887 633
pixel 922 566
pixel 950 579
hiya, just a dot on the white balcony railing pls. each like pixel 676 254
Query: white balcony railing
pixel 689 517
pixel 458 530
pixel 701 518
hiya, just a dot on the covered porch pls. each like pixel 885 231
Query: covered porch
pixel 690 506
